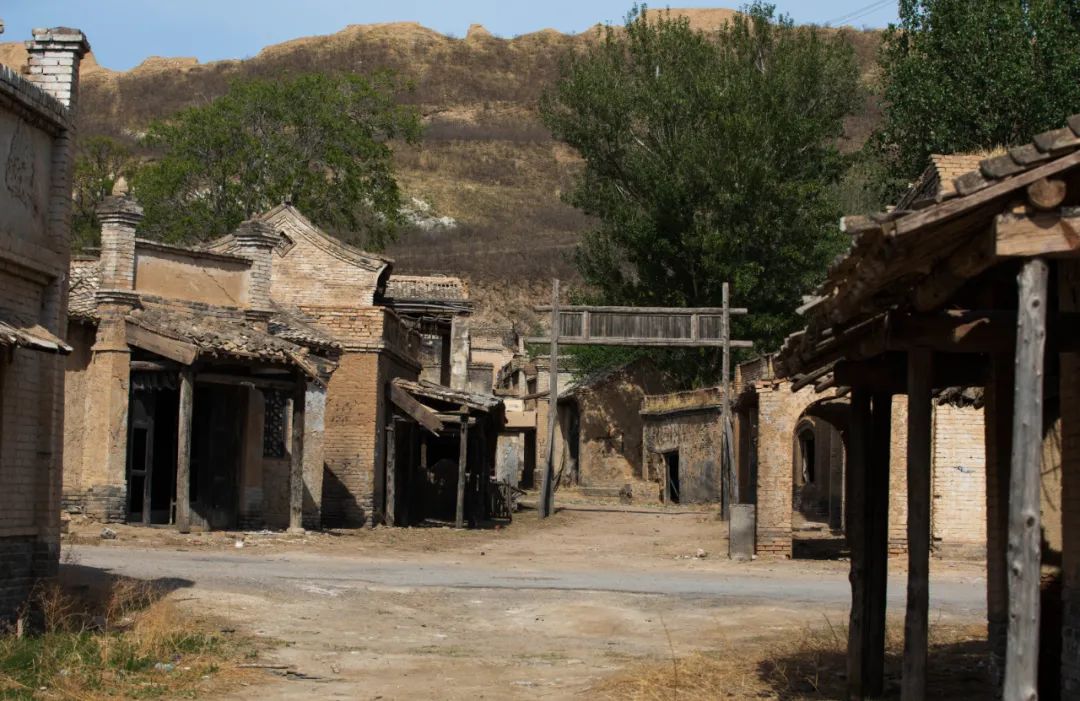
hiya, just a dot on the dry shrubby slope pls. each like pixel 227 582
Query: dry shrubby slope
pixel 486 160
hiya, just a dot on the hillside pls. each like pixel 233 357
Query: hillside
pixel 486 159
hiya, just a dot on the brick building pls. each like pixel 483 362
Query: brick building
pixel 682 443
pixel 191 399
pixel 792 450
pixel 37 130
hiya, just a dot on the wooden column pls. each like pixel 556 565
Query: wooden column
pixel 728 489
pixel 391 473
pixel 463 459
pixel 1023 551
pixel 183 451
pixel 920 412
pixel 296 464
pixel 546 487
pixel 867 530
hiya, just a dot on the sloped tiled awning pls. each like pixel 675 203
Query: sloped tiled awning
pixel 31 336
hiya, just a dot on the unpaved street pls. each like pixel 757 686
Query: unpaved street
pixel 535 611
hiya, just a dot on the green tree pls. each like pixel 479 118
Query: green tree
pixel 99 162
pixel 962 76
pixel 708 158
pixel 318 141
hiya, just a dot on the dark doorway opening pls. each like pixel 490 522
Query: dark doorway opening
pixel 808 451
pixel 528 472
pixel 151 461
pixel 671 461
pixel 216 439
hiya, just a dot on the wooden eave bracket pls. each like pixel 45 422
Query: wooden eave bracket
pixel 415 410
pixel 165 346
pixel 1038 234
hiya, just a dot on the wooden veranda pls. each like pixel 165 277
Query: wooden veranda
pixel 976 288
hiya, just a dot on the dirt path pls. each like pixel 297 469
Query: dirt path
pixel 539 610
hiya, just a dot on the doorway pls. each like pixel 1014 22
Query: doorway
pixel 216 439
pixel 671 463
pixel 151 460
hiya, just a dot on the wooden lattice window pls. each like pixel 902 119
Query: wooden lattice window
pixel 274 423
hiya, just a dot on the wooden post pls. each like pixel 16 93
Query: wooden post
pixel 183 451
pixel 858 442
pixel 296 464
pixel 868 502
pixel 877 546
pixel 727 490
pixel 920 410
pixel 546 487
pixel 1023 552
pixel 463 458
pixel 391 473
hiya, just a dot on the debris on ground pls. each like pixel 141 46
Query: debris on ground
pixel 108 534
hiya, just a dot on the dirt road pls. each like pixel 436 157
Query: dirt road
pixel 536 611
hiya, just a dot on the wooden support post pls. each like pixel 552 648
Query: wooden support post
pixel 463 459
pixel 867 529
pixel 1023 552
pixel 296 464
pixel 920 412
pixel 727 489
pixel 391 473
pixel 546 486
pixel 183 451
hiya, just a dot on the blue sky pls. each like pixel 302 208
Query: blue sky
pixel 124 32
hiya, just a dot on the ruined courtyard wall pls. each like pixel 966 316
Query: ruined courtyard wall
pixel 610 429
pixel 698 437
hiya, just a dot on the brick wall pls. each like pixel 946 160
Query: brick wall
pixel 352 408
pixel 898 477
pixel 958 510
pixel 36 137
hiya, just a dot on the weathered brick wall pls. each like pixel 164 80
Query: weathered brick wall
pixel 697 436
pixel 352 410
pixel 958 510
pixel 36 140
pixel 898 477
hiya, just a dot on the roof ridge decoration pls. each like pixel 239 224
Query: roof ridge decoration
pixel 287 216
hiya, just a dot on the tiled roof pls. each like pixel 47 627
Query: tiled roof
pixel 427 288
pixel 16 332
pixel 84 282
pixel 893 252
pixel 292 325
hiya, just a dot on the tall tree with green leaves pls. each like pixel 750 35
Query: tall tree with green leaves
pixel 99 162
pixel 962 76
pixel 708 157
pixel 316 140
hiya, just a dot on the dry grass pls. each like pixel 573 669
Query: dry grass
pixel 125 641
pixel 810 665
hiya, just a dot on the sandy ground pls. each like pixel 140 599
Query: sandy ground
pixel 538 610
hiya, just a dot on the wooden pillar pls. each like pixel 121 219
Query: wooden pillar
pixel 183 451
pixel 728 488
pixel 391 473
pixel 296 464
pixel 1023 550
pixel 463 458
pixel 867 532
pixel 920 413
pixel 546 487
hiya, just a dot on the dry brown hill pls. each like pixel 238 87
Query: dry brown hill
pixel 486 159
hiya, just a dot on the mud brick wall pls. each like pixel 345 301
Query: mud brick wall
pixel 958 510
pixel 898 477
pixel 697 435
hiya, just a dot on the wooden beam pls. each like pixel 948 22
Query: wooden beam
pixel 1023 552
pixel 153 366
pixel 686 311
pixel 1046 194
pixel 463 461
pixel 967 262
pixel 415 410
pixel 640 341
pixel 811 377
pixel 243 381
pixel 1041 234
pixel 296 464
pixel 180 351
pixel 183 452
pixel 916 623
